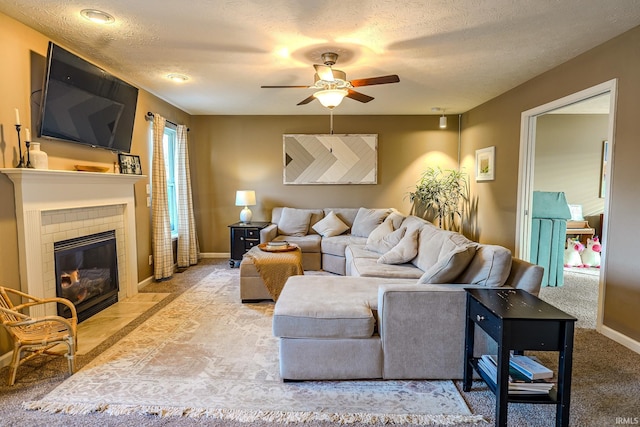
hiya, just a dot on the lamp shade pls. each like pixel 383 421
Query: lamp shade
pixel 443 122
pixel 245 198
pixel 331 98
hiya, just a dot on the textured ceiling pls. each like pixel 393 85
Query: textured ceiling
pixel 452 54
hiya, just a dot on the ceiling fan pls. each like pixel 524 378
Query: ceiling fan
pixel 333 85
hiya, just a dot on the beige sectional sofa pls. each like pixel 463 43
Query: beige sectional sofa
pixel 399 310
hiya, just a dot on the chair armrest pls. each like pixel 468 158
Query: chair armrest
pixel 269 233
pixel 41 301
pixel 69 325
pixel 422 329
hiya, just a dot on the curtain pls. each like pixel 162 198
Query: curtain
pixel 161 226
pixel 187 240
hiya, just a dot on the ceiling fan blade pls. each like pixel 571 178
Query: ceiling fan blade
pixel 324 72
pixel 275 87
pixel 306 100
pixel 359 96
pixel 375 81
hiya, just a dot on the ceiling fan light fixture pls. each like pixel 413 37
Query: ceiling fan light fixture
pixel 331 98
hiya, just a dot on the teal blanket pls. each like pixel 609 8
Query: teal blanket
pixel 550 204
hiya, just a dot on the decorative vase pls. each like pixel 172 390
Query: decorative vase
pixel 39 159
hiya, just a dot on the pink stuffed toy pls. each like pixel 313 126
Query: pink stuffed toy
pixel 572 253
pixel 591 255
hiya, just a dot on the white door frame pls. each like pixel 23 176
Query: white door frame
pixel 526 168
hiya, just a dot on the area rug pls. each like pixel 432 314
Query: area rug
pixel 207 355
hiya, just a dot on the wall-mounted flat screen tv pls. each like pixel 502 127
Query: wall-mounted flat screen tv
pixel 84 104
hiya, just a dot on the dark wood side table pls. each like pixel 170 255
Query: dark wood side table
pixel 244 236
pixel 519 321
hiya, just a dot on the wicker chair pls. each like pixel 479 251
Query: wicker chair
pixel 37 335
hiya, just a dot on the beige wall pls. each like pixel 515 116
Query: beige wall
pixel 22 53
pixel 569 158
pixel 497 122
pixel 232 153
pixel 237 152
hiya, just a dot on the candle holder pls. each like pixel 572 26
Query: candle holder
pixel 21 162
pixel 28 144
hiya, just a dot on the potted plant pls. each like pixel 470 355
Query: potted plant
pixel 441 195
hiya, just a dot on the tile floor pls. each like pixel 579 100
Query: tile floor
pixel 101 326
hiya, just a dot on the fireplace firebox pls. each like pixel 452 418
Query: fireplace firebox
pixel 87 273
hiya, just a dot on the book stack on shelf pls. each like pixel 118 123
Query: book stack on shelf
pixel 526 374
pixel 279 244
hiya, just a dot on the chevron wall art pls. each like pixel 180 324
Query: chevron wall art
pixel 330 159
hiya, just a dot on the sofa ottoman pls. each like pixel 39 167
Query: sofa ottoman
pixel 318 316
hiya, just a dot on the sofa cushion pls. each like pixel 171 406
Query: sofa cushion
pixel 434 243
pixel 294 222
pixel 450 265
pixel 329 306
pixel 321 307
pixel 307 244
pixel 490 266
pixel 336 245
pixel 363 263
pixel 413 222
pixel 346 215
pixel 404 251
pixel 396 218
pixel 367 220
pixel 330 226
pixel 369 267
pixel 383 238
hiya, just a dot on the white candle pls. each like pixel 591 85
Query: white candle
pixel 17 116
pixel 28 132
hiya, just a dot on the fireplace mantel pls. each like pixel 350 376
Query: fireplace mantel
pixel 44 187
pixel 37 191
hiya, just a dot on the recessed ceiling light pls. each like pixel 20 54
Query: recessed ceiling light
pixel 97 16
pixel 176 77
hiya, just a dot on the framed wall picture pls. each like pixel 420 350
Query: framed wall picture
pixel 330 159
pixel 485 164
pixel 129 164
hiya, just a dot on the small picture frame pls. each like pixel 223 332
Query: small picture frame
pixel 129 164
pixel 485 164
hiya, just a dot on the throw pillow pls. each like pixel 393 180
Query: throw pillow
pixel 330 226
pixel 404 251
pixel 396 218
pixel 294 222
pixel 490 266
pixel 367 220
pixel 382 239
pixel 449 266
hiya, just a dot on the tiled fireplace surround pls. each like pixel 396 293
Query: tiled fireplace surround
pixel 59 205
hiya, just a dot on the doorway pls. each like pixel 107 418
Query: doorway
pixel 529 122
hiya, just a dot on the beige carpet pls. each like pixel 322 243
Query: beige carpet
pixel 578 297
pixel 207 355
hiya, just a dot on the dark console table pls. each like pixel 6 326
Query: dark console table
pixel 519 321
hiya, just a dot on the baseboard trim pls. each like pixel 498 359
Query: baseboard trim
pixel 145 282
pixel 624 340
pixel 215 255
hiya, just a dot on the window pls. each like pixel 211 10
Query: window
pixel 169 146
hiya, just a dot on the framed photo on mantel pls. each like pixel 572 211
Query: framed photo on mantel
pixel 129 164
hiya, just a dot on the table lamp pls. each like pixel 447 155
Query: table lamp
pixel 245 198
